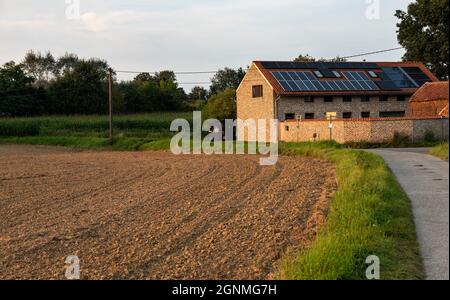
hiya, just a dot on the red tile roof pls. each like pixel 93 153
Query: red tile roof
pixel 431 91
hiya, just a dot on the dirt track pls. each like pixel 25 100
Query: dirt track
pixel 153 215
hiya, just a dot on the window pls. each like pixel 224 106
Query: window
pixel 384 98
pixel 365 114
pixel 309 116
pixel 337 74
pixel 289 116
pixel 328 99
pixel 365 99
pixel 309 99
pixel 392 114
pixel 372 74
pixel 347 99
pixel 257 91
pixel 318 74
pixel 401 98
pixel 347 115
pixel 286 128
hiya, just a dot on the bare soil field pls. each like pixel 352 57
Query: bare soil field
pixel 154 215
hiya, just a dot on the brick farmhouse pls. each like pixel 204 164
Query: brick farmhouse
pixel 363 101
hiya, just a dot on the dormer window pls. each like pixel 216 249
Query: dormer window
pixel 318 74
pixel 372 74
pixel 337 74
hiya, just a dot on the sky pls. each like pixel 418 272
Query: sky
pixel 198 35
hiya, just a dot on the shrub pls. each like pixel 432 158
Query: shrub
pixel 429 136
pixel 221 106
pixel 400 140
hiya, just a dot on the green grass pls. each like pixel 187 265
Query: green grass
pixel 94 143
pixel 440 151
pixel 369 215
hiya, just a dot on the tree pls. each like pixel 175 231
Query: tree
pixel 423 32
pixel 308 58
pixel 144 77
pixel 166 77
pixel 40 66
pixel 159 92
pixel 81 90
pixel 226 78
pixel 18 97
pixel 198 93
pixel 221 106
pixel 66 63
pixel 304 58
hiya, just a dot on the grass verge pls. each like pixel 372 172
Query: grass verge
pixel 95 143
pixel 369 215
pixel 440 151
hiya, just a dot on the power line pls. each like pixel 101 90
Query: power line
pixel 204 82
pixel 176 73
pixel 371 53
pixel 214 72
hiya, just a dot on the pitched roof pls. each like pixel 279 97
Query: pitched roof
pixel 431 91
pixel 393 78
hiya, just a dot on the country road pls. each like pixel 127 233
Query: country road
pixel 426 181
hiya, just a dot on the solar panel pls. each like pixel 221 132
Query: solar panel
pixel 387 85
pixel 318 65
pixel 327 73
pixel 306 81
pixel 398 77
pixel 417 75
pixel 270 65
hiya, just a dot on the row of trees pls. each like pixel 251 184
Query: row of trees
pixel 42 84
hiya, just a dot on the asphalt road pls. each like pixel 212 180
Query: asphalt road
pixel 426 181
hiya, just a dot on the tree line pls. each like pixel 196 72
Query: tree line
pixel 42 84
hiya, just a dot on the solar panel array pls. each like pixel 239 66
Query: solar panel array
pixel 306 81
pixel 318 65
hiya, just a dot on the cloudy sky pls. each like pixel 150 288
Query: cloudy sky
pixel 198 35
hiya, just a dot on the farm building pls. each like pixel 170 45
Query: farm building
pixel 430 100
pixel 302 95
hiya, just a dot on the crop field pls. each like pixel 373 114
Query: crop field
pixel 141 125
pixel 154 215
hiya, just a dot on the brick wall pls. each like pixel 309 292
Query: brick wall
pixel 298 106
pixel 368 130
pixel 254 108
pixel 430 108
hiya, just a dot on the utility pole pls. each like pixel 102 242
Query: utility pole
pixel 331 127
pixel 110 104
pixel 330 116
pixel 299 118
